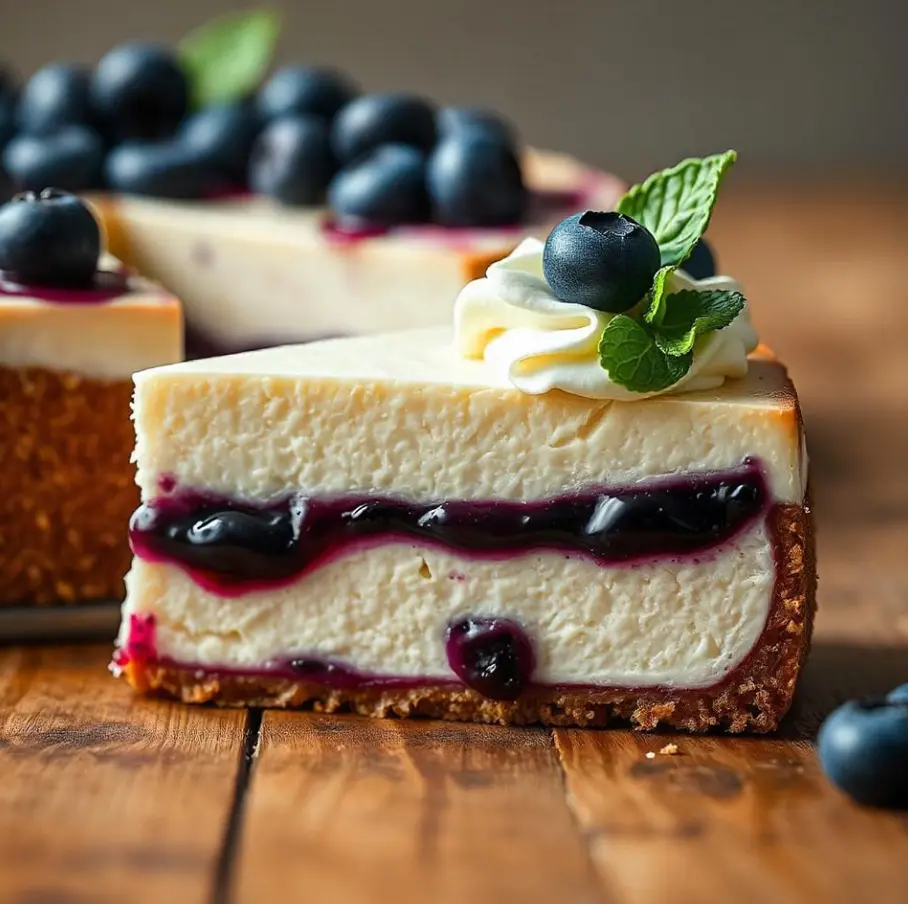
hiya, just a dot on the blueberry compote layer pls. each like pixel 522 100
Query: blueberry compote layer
pixel 106 286
pixel 232 547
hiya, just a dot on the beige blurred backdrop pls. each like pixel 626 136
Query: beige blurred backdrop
pixel 794 84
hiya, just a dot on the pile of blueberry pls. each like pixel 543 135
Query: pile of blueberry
pixel 306 136
pixel 864 749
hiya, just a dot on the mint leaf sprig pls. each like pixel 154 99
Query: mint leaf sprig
pixel 656 351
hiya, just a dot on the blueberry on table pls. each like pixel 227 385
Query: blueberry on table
pixel 49 239
pixel 475 180
pixel 452 120
pixel 56 95
pixel 376 119
pixel 305 90
pixel 70 158
pixel 385 188
pixel 139 91
pixel 603 260
pixel 223 135
pixel 292 161
pixel 863 748
pixel 702 261
pixel 166 169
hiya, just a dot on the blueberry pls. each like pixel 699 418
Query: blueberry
pixel 605 260
pixel 49 239
pixel 377 119
pixel 702 262
pixel 292 161
pixel 899 695
pixel 70 159
pixel 166 169
pixel 7 119
pixel 385 188
pixel 139 91
pixel 863 748
pixel 304 90
pixel 55 96
pixel 222 134
pixel 474 180
pixel 452 120
pixel 493 656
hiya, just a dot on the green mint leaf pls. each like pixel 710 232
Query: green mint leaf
pixel 226 59
pixel 690 314
pixel 628 351
pixel 656 298
pixel 676 204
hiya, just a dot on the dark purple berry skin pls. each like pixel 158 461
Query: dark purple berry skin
pixel 49 239
pixel 863 749
pixel 70 158
pixel 291 160
pixel 304 91
pixel 475 180
pixel 604 260
pixel 166 169
pixel 702 261
pixel 377 119
pixel 385 188
pixel 56 95
pixel 492 656
pixel 222 134
pixel 899 695
pixel 139 91
pixel 453 120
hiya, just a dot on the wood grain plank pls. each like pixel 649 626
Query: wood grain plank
pixel 731 819
pixel 106 797
pixel 346 809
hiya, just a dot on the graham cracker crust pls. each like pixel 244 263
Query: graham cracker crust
pixel 753 697
pixel 67 487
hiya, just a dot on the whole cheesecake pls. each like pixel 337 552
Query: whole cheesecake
pixel 587 501
pixel 252 273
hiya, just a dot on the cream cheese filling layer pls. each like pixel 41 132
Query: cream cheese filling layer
pixel 384 610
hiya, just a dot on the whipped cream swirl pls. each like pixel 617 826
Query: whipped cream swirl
pixel 511 319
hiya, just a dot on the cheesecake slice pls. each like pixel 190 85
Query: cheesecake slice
pixel 67 486
pixel 586 501
pixel 252 273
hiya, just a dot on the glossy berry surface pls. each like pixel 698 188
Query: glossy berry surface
pixel 475 180
pixel 452 120
pixel 863 748
pixel 139 91
pixel 492 656
pixel 222 135
pixel 70 158
pixel 385 188
pixel 899 695
pixel 304 90
pixel 49 239
pixel 376 119
pixel 605 261
pixel 702 262
pixel 159 169
pixel 292 161
pixel 56 95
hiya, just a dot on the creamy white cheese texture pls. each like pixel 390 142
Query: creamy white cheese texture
pixel 511 319
pixel 384 610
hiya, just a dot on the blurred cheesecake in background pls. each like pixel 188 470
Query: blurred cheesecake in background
pixel 74 327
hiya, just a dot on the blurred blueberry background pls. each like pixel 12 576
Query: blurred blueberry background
pixel 794 84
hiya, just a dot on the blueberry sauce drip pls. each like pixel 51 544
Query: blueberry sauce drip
pixel 492 656
pixel 106 286
pixel 232 547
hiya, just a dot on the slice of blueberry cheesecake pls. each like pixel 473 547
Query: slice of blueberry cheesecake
pixel 586 502
pixel 74 326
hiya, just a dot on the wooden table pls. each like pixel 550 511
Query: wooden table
pixel 104 797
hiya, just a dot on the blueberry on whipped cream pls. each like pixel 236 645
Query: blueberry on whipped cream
pixel 49 239
pixel 605 261
pixel 605 309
